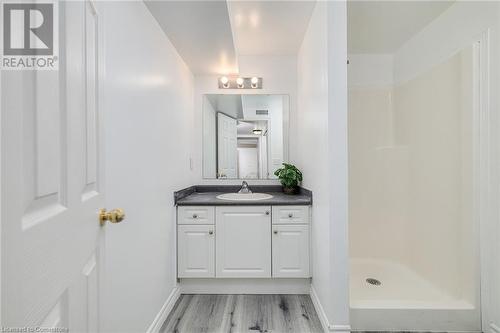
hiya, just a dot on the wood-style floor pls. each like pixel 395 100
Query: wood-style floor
pixel 243 313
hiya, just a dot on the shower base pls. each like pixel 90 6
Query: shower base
pixel 402 300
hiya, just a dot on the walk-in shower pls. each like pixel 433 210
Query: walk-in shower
pixel 414 233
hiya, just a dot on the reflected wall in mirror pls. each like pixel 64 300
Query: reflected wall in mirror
pixel 244 136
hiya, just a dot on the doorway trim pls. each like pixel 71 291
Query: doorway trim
pixel 485 192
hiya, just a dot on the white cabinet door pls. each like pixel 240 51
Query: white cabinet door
pixel 243 247
pixel 196 247
pixel 291 251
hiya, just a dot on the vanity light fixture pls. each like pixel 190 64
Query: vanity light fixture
pixel 235 82
pixel 224 81
pixel 240 82
pixel 257 131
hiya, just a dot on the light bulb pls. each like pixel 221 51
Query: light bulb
pixel 240 81
pixel 225 81
pixel 254 80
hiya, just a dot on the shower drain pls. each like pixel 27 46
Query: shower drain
pixel 373 282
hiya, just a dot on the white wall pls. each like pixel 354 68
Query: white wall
pixel 338 164
pixel 310 149
pixel 372 70
pixel 279 75
pixel 320 151
pixel 148 114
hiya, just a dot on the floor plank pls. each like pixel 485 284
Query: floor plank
pixel 243 313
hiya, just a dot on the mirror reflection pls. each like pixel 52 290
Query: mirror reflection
pixel 244 136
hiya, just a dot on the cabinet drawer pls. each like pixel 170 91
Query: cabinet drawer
pixel 195 215
pixel 290 214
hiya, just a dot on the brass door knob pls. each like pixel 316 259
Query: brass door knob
pixel 114 216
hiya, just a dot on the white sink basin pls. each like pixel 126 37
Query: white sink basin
pixel 244 196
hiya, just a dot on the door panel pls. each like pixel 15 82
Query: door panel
pixel 49 219
pixel 291 251
pixel 227 158
pixel 243 247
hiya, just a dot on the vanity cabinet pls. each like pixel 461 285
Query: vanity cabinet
pixel 243 241
pixel 196 241
pixel 243 244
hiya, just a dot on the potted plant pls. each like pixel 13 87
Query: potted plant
pixel 289 177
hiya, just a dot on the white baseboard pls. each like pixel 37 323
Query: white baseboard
pixel 319 310
pixel 494 328
pixel 245 286
pixel 164 311
pixel 327 327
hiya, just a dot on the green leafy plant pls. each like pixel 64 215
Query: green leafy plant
pixel 289 175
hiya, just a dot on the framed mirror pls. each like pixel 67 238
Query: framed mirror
pixel 244 136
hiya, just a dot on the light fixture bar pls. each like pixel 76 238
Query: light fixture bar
pixel 236 82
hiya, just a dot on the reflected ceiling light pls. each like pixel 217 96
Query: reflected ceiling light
pixel 257 131
pixel 224 81
pixel 255 82
pixel 254 20
pixel 240 82
pixel 239 19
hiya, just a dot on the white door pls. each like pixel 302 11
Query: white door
pixel 52 183
pixel 291 251
pixel 227 158
pixel 243 246
pixel 196 251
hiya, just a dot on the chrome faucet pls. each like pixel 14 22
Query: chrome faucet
pixel 244 188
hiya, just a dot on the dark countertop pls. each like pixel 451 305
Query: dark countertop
pixel 205 195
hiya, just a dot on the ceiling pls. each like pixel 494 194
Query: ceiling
pixel 247 127
pixel 210 35
pixel 201 33
pixel 269 27
pixel 384 26
pixel 231 104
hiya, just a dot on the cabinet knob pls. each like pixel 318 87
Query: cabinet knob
pixel 290 215
pixel 267 212
pixel 195 216
pixel 211 232
pixel 275 232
